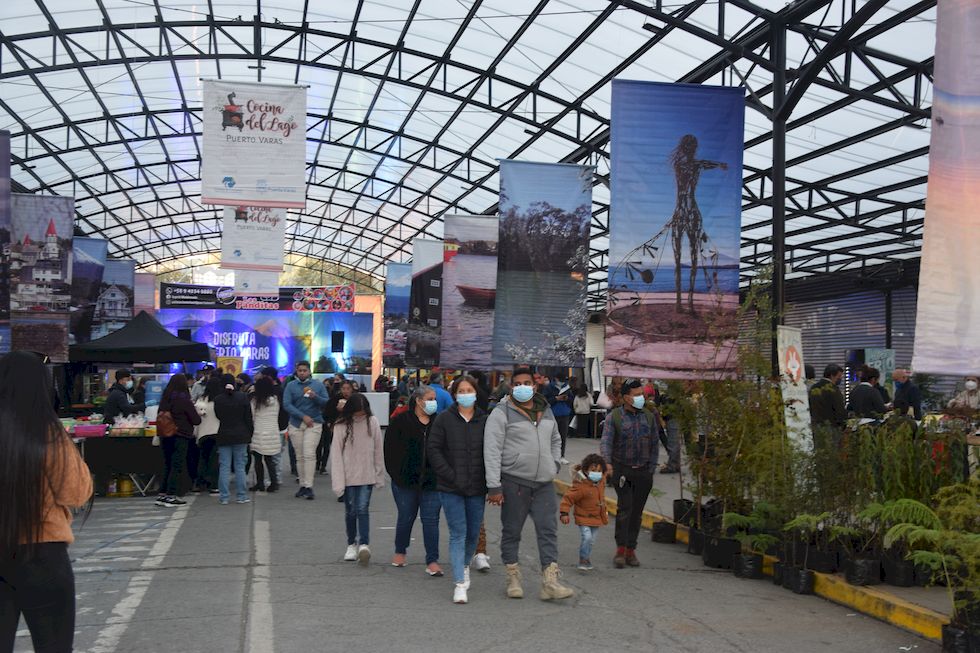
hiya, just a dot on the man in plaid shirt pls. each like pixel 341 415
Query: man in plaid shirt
pixel 629 442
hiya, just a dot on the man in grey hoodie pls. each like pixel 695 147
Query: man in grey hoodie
pixel 521 452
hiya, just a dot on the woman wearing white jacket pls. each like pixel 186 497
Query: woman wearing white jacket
pixel 357 466
pixel 204 433
pixel 265 438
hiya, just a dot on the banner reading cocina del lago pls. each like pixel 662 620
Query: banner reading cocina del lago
pixel 542 264
pixel 254 150
pixel 252 238
pixel 674 226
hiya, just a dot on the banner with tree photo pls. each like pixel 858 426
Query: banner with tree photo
pixel 674 227
pixel 398 290
pixel 542 266
pixel 469 291
pixel 425 304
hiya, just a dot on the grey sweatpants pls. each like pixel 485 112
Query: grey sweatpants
pixel 541 503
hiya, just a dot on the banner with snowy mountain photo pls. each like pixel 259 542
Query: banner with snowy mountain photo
pixel 469 291
pixel 542 267
pixel 398 288
pixel 674 224
pixel 86 285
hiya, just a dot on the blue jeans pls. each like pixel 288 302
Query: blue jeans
pixel 238 452
pixel 588 538
pixel 357 501
pixel 463 516
pixel 412 502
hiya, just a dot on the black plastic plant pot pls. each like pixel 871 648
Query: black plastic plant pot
pixel 683 511
pixel 801 580
pixel 862 571
pixel 957 640
pixel 823 561
pixel 695 541
pixel 747 565
pixel 922 575
pixel 897 572
pixel 968 612
pixel 777 573
pixel 663 532
pixel 719 551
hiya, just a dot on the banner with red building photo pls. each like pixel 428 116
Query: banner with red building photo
pixel 254 150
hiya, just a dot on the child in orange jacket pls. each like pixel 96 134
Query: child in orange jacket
pixel 588 496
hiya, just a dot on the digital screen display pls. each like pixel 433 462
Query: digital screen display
pixel 279 338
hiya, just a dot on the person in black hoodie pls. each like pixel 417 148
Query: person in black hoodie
pixel 866 400
pixel 413 483
pixel 234 412
pixel 119 401
pixel 331 411
pixel 177 401
pixel 455 450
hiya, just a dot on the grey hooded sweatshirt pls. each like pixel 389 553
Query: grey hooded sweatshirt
pixel 518 449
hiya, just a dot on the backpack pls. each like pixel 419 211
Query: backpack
pixel 166 426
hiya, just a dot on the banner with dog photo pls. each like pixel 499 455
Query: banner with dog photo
pixel 254 150
pixel 253 238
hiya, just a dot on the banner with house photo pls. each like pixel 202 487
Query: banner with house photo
pixel 89 256
pixel 674 223
pixel 253 238
pixel 542 267
pixel 398 290
pixel 469 291
pixel 41 273
pixel 114 307
pixel 948 309
pixel 4 241
pixel 254 150
pixel 425 304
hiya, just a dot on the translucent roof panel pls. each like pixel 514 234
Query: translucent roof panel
pixel 412 104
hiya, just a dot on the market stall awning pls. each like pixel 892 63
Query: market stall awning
pixel 143 340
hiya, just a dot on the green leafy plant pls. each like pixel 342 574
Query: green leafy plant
pixel 810 529
pixel 751 530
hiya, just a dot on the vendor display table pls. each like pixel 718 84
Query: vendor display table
pixel 135 457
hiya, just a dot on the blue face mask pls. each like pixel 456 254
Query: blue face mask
pixel 431 406
pixel 467 400
pixel 639 402
pixel 522 393
pixel 128 385
pixel 595 477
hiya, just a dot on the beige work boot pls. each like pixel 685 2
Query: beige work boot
pixel 550 587
pixel 514 588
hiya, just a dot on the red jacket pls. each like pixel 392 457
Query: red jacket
pixel 588 498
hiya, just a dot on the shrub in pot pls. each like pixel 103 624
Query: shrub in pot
pixel 664 532
pixel 806 528
pixel 745 529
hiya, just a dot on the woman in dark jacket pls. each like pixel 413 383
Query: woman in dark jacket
pixel 177 401
pixel 413 483
pixel 455 451
pixel 234 412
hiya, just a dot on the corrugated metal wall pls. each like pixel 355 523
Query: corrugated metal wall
pixel 832 326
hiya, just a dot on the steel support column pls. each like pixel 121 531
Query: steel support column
pixel 778 49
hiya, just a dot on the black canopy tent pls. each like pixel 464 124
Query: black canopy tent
pixel 143 340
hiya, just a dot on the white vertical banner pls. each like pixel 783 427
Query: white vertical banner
pixel 252 283
pixel 948 310
pixel 792 382
pixel 253 238
pixel 254 150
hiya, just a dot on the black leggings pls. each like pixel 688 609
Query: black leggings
pixel 43 590
pixel 174 464
pixel 270 464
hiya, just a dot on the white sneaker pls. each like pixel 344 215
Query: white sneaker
pixel 351 554
pixel 466 577
pixel 363 554
pixel 459 593
pixel 564 461
pixel 481 561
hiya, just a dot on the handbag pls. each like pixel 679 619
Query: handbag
pixel 166 426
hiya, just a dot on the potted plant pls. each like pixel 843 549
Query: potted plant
pixel 663 532
pixel 749 531
pixel 808 529
pixel 947 540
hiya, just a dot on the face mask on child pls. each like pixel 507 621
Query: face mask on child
pixel 595 477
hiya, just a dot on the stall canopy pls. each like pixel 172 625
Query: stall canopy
pixel 143 340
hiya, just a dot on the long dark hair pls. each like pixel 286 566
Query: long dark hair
pixel 356 404
pixel 29 431
pixel 228 380
pixel 176 385
pixel 214 387
pixel 264 391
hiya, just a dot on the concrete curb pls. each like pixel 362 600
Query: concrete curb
pixel 870 601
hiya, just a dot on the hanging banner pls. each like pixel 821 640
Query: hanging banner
pixel 320 299
pixel 257 284
pixel 542 267
pixel 144 293
pixel 254 150
pixel 4 242
pixel 253 238
pixel 398 287
pixel 425 304
pixel 469 291
pixel 114 307
pixel 948 309
pixel 792 382
pixel 40 273
pixel 88 264
pixel 674 226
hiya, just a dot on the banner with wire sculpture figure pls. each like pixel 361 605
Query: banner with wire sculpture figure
pixel 542 264
pixel 948 309
pixel 674 224
pixel 469 291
